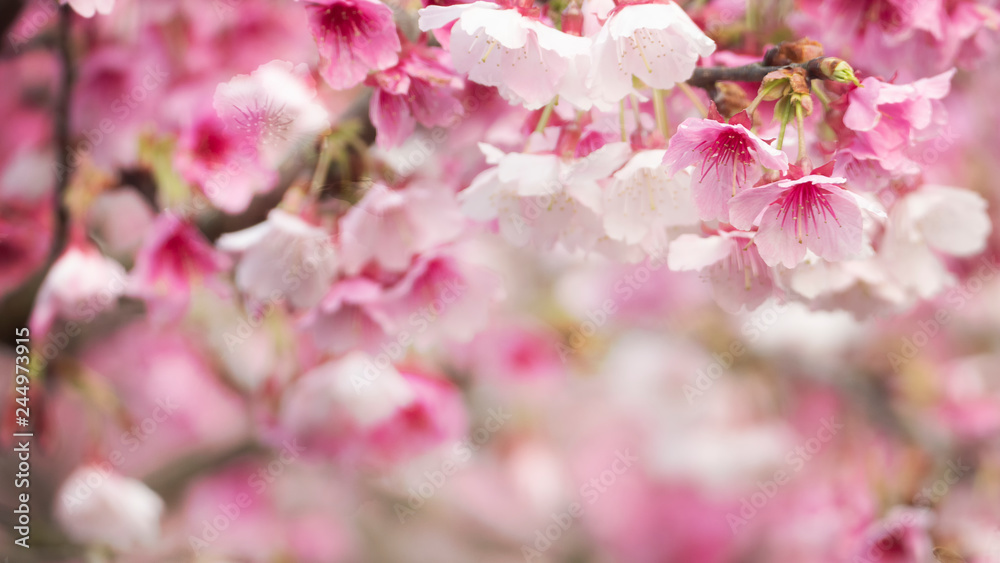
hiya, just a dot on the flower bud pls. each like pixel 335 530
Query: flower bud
pixel 838 70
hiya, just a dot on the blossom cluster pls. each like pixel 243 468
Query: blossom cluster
pixel 631 280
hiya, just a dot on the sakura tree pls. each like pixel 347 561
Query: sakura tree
pixel 577 280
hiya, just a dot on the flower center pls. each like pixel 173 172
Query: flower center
pixel 730 151
pixel 802 209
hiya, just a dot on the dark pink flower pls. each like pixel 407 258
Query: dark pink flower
pixel 420 89
pixel 173 259
pixel 810 212
pixel 354 37
pixel 727 157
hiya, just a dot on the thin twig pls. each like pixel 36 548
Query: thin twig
pixel 61 133
pixel 706 77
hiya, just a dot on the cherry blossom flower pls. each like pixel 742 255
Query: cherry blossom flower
pixel 274 108
pixel 283 257
pixel 223 164
pixel 389 227
pixel 927 222
pixel 350 316
pixel 731 262
pixel 544 198
pixel 82 283
pixel 727 157
pixel 354 38
pixel 100 508
pixel 654 41
pixel 505 45
pixel 889 119
pixel 795 214
pixel 88 8
pixel 420 89
pixel 642 199
pixel 174 258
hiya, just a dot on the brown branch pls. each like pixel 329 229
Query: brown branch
pixel 61 133
pixel 706 77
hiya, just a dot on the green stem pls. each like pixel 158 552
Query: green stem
pixel 781 134
pixel 800 124
pixel 661 112
pixel 322 165
pixel 546 114
pixel 760 97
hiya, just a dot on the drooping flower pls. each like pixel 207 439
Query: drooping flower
pixel 354 37
pixel 731 262
pixel 274 108
pixel 505 45
pixel 115 512
pixel 173 259
pixel 283 257
pixel 931 220
pixel 88 8
pixel 420 89
pixel 794 214
pixel 350 316
pixel 727 157
pixel 889 119
pixel 389 227
pixel 654 41
pixel 82 283
pixel 642 199
pixel 544 199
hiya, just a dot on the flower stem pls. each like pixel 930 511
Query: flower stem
pixel 661 112
pixel 634 100
pixel 694 99
pixel 621 119
pixel 781 134
pixel 322 165
pixel 800 125
pixel 546 114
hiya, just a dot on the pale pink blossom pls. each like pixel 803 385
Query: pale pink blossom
pixel 732 264
pixel 283 257
pixel 643 200
pixel 100 508
pixel 810 212
pixel 350 316
pixel 274 108
pixel 544 199
pixel 88 8
pixel 354 37
pixel 505 45
pixel 388 227
pixel 80 285
pixel 727 159
pixel 926 223
pixel 654 41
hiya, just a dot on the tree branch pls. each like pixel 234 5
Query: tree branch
pixel 706 77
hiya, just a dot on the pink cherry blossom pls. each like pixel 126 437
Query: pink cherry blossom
pixel 81 284
pixel 389 227
pixel 174 259
pixel 889 119
pixel 223 163
pixel 420 89
pixel 101 508
pixel 354 37
pixel 654 41
pixel 88 8
pixel 728 158
pixel 285 258
pixel 731 262
pixel 642 199
pixel 274 108
pixel 350 316
pixel 811 212
pixel 508 47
